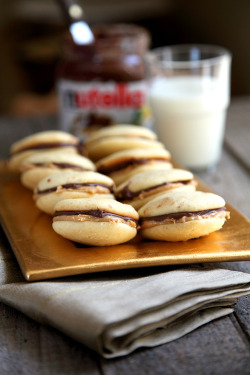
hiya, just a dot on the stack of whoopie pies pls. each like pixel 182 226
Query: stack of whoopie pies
pixel 124 183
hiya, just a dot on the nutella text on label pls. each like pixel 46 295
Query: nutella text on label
pixel 84 103
pixel 121 95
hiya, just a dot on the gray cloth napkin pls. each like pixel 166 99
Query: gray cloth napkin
pixel 115 313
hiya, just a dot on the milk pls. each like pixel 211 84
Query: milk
pixel 190 114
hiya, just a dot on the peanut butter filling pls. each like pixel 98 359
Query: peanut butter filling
pixel 128 195
pixel 94 215
pixel 52 165
pixel 91 142
pixel 129 164
pixel 184 217
pixel 45 146
pixel 90 188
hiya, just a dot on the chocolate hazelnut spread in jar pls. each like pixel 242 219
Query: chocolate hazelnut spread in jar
pixel 104 83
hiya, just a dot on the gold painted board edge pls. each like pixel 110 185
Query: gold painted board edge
pixel 43 254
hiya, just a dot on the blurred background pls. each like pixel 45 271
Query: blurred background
pixel 31 36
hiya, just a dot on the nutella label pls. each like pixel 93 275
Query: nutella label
pixel 85 105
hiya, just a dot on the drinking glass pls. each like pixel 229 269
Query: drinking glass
pixel 189 97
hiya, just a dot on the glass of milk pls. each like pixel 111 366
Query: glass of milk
pixel 189 97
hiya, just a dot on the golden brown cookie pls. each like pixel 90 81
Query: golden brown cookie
pixel 145 186
pixel 116 138
pixel 42 164
pixel 124 164
pixel 41 142
pixel 65 185
pixel 96 222
pixel 182 215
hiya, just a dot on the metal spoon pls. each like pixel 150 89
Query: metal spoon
pixel 78 27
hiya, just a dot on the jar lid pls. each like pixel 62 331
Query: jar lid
pixel 127 36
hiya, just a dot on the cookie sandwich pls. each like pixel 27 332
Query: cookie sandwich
pixel 95 222
pixel 182 215
pixel 145 186
pixel 71 185
pixel 109 140
pixel 41 142
pixel 41 164
pixel 122 165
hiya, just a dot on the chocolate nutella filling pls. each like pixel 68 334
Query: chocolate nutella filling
pixel 179 215
pixel 127 194
pixel 74 186
pixel 95 213
pixel 44 146
pixel 131 162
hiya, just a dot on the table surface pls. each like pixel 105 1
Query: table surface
pixel 220 347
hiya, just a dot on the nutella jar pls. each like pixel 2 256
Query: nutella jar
pixel 104 83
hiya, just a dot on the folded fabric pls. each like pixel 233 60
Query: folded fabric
pixel 115 313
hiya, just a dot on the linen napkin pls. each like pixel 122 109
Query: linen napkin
pixel 116 312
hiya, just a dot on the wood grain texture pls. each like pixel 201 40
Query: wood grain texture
pixel 237 137
pixel 220 347
pixel 232 176
pixel 231 181
pixel 205 351
pixel 11 130
pixel 30 348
